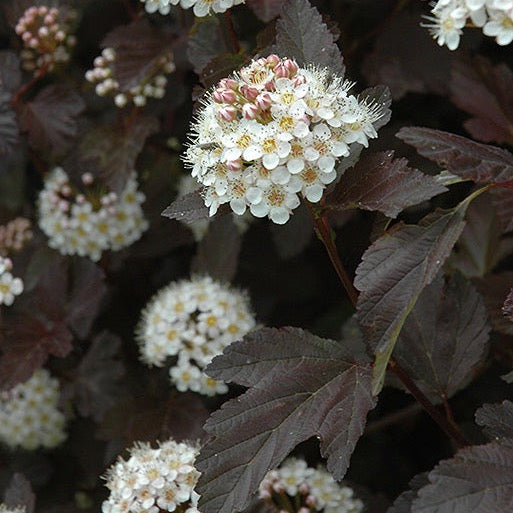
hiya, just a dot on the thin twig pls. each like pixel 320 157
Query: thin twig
pixel 38 76
pixel 231 31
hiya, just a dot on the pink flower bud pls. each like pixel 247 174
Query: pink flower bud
pixel 227 113
pixel 249 92
pixel 303 488
pixel 250 111
pixel 49 19
pixel 299 80
pixel 42 10
pixel 26 36
pixel 234 165
pixel 216 95
pixel 291 66
pixel 273 59
pixel 264 101
pixel 310 500
pixel 228 83
pixel 228 95
pixel 281 71
pixel 33 43
pixel 42 32
pixel 269 85
pixel 87 178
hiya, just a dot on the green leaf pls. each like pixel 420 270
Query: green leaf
pixel 302 35
pixel 393 272
pixel 300 386
pixel 445 338
pixel 479 479
pixel 380 182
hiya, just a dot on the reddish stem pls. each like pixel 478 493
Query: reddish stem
pixel 231 31
pixel 38 76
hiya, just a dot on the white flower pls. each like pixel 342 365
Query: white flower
pixel 194 321
pixel 153 479
pixel 446 26
pixel 500 26
pixel 200 7
pixel 310 489
pixel 9 285
pixel 28 413
pixel 274 130
pixel 87 222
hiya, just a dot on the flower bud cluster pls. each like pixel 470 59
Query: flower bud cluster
pixel 200 7
pixel 449 17
pixel 89 221
pixel 152 86
pixel 14 235
pixel 9 285
pixel 154 480
pixel 307 489
pixel 29 416
pixel 7 509
pixel 44 31
pixel 199 227
pixel 273 131
pixel 194 320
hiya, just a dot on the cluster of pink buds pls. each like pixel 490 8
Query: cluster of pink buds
pixel 152 86
pixel 44 31
pixel 14 235
pixel 254 101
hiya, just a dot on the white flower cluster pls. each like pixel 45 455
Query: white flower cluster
pixel 14 235
pixel 153 480
pixel 28 413
pixel 272 131
pixel 90 222
pixel 7 509
pixel 44 31
pixel 309 489
pixel 450 17
pixel 152 86
pixel 195 320
pixel 9 285
pixel 200 7
pixel 199 227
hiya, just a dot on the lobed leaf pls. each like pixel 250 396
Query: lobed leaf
pixel 302 35
pixel 495 288
pixel 474 161
pixel 265 10
pixel 139 47
pixel 380 182
pixel 8 124
pixel 485 92
pixel 507 307
pixel 403 503
pixel 50 119
pixel 189 207
pixel 220 67
pixel 444 338
pixel 478 479
pixel 497 420
pixel 503 201
pixel 218 251
pixel 300 386
pixel 205 42
pixel 393 272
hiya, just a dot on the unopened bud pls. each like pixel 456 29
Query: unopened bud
pixel 250 110
pixel 227 113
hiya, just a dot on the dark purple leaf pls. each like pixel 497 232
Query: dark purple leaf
pixel 10 72
pixel 468 159
pixel 110 152
pixel 218 251
pixel 403 503
pixel 155 418
pixel 479 479
pixel 302 35
pixel 445 338
pixel 205 42
pixel 139 47
pixel 50 119
pixel 392 274
pixel 220 67
pixel 300 386
pixel 265 10
pixel 503 201
pixel 19 494
pixel 294 236
pixel 495 288
pixel 95 387
pixel 479 248
pixel 497 420
pixel 8 124
pixel 87 290
pixel 507 307
pixel 190 207
pixel 380 182
pixel 419 66
pixel 485 92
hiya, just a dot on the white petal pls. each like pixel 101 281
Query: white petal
pixel 295 165
pixel 311 154
pixel 270 161
pixel 301 130
pixel 260 209
pixel 313 193
pixel 280 175
pixel 326 164
pixel 279 215
pixel 254 195
pixel 252 153
pixel 238 205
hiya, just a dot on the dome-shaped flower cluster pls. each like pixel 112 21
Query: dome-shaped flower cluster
pixel 152 85
pixel 200 7
pixel 449 17
pixel 307 490
pixel 153 480
pixel 9 285
pixel 89 221
pixel 194 320
pixel 274 131
pixel 29 416
pixel 14 235
pixel 44 31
